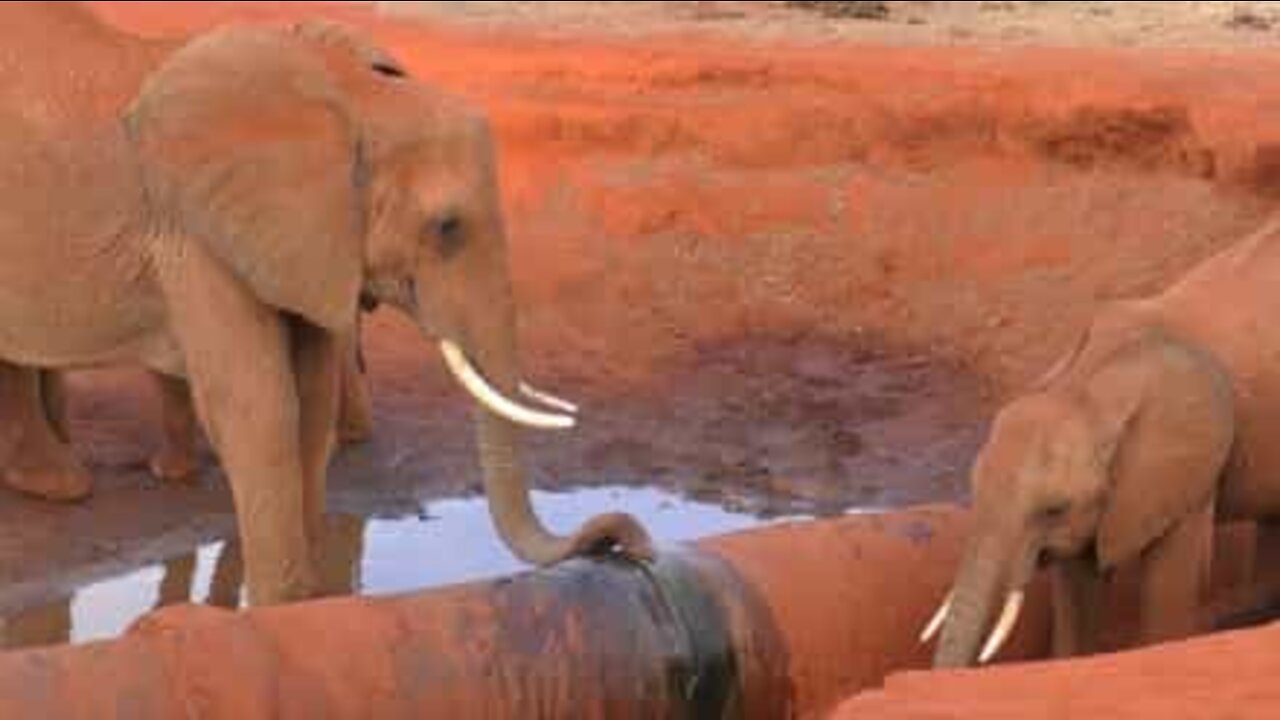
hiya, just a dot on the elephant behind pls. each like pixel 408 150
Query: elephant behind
pixel 1157 425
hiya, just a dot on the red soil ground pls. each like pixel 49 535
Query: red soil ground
pixel 794 270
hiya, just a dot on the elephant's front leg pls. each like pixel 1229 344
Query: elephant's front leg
pixel 241 373
pixel 1076 586
pixel 1175 579
pixel 34 459
pixel 315 361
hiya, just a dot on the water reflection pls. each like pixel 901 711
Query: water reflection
pixel 446 542
pixel 104 609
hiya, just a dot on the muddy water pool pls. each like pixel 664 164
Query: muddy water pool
pixel 448 541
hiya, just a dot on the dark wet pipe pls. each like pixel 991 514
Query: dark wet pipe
pixel 778 622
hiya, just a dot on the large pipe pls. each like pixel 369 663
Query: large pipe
pixel 783 621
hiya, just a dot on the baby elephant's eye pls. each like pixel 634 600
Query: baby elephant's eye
pixel 1055 512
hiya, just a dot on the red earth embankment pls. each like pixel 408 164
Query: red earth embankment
pixel 674 191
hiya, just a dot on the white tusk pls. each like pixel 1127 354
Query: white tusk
pixel 935 623
pixel 548 399
pixel 486 395
pixel 1004 626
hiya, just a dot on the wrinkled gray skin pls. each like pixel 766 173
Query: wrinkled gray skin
pixel 221 228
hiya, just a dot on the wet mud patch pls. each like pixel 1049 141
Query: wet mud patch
pixel 766 425
pixel 792 425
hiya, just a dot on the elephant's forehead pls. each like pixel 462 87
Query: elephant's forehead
pixel 1033 435
pixel 423 126
pixel 1041 417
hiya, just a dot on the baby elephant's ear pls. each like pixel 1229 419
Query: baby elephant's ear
pixel 246 146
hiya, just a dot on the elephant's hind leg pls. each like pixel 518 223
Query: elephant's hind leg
pixel 34 459
pixel 228 577
pixel 178 579
pixel 176 458
pixel 355 409
pixel 53 393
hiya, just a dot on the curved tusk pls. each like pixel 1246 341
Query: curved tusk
pixel 1004 626
pixel 548 399
pixel 486 395
pixel 935 623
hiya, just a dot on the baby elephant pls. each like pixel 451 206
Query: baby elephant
pixel 1159 422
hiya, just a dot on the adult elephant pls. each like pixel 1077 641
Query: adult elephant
pixel 223 227
pixel 1158 424
pixel 92 77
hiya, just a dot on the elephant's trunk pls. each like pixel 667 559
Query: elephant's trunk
pixel 979 582
pixel 497 440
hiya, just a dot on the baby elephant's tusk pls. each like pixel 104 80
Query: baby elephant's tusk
pixel 935 623
pixel 486 395
pixel 1004 626
pixel 548 399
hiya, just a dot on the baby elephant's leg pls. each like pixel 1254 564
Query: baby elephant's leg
pixel 1175 579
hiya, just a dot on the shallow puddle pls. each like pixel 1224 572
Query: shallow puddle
pixel 739 431
pixel 448 541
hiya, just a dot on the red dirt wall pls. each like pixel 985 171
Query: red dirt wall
pixel 674 191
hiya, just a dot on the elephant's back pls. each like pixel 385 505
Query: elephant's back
pixel 60 65
pixel 1230 306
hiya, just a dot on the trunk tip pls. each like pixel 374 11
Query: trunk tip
pixel 616 531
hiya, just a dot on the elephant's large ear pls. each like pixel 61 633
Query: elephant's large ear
pixel 246 146
pixel 1164 429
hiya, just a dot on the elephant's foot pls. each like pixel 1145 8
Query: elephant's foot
pixel 354 429
pixel 50 473
pixel 176 459
pixel 173 465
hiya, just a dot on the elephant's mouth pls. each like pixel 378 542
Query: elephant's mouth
pixel 368 301
pixel 564 415
pixel 1000 632
pixel 1044 558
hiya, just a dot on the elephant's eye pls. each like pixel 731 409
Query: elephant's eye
pixel 1055 512
pixel 388 68
pixel 447 234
